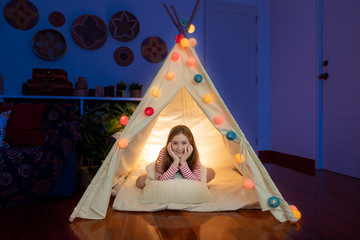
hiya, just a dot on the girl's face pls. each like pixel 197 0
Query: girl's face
pixel 179 143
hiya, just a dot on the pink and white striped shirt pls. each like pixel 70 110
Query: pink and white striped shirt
pixel 194 175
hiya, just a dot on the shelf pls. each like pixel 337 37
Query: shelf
pixel 80 98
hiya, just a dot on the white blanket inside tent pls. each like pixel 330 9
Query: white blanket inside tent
pixel 226 188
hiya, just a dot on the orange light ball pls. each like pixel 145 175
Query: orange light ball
pixel 124 120
pixel 192 42
pixel 178 38
pixel 175 56
pixel 207 98
pixel 170 75
pixel 297 214
pixel 218 119
pixel 123 143
pixel 248 183
pixel 184 42
pixel 155 92
pixel 191 61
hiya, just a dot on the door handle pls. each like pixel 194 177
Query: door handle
pixel 324 76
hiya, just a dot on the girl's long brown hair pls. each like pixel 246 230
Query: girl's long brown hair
pixel 191 161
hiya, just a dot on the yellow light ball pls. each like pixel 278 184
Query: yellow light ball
pixel 155 92
pixel 207 98
pixel 170 75
pixel 192 42
pixel 123 143
pixel 218 119
pixel 184 42
pixel 191 29
pixel 297 214
pixel 191 61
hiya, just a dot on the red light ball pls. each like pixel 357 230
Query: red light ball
pixel 149 111
pixel 124 120
pixel 178 38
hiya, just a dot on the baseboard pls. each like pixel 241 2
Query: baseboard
pixel 301 164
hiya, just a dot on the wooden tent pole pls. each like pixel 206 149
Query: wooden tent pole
pixel 179 22
pixel 196 8
pixel 171 16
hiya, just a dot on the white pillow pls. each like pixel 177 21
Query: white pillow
pixel 175 190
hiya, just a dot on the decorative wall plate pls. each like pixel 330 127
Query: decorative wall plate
pixel 57 19
pixel 89 32
pixel 21 14
pixel 49 44
pixel 153 49
pixel 123 56
pixel 124 26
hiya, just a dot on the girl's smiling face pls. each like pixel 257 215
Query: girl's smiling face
pixel 178 144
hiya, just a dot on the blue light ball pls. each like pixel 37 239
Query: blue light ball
pixel 231 135
pixel 274 202
pixel 198 78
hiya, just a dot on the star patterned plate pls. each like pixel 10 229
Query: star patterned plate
pixel 124 26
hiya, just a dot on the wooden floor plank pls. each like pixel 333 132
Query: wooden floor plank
pixel 328 202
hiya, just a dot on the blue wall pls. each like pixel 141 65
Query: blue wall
pixel 17 57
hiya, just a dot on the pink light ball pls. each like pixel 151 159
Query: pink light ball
pixel 191 61
pixel 192 42
pixel 184 42
pixel 248 183
pixel 123 143
pixel 178 38
pixel 170 75
pixel 124 120
pixel 175 56
pixel 292 207
pixel 149 111
pixel 218 119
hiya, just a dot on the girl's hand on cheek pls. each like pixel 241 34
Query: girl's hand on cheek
pixel 172 154
pixel 188 152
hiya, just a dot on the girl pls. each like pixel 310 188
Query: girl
pixel 179 155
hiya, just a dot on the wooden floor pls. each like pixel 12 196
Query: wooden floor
pixel 329 203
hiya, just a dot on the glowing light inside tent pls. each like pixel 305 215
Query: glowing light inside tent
pixel 218 119
pixel 297 214
pixel 184 42
pixel 124 120
pixel 155 92
pixel 207 98
pixel 273 202
pixel 191 29
pixel 170 75
pixel 178 38
pixel 191 61
pixel 231 135
pixel 248 183
pixel 198 78
pixel 149 111
pixel 175 56
pixel 192 42
pixel 123 143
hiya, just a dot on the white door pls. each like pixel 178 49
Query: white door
pixel 341 91
pixel 231 61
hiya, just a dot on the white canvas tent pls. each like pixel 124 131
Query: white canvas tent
pixel 180 101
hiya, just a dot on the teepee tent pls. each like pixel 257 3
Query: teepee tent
pixel 181 93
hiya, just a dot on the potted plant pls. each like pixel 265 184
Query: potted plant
pixel 98 125
pixel 120 89
pixel 135 90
